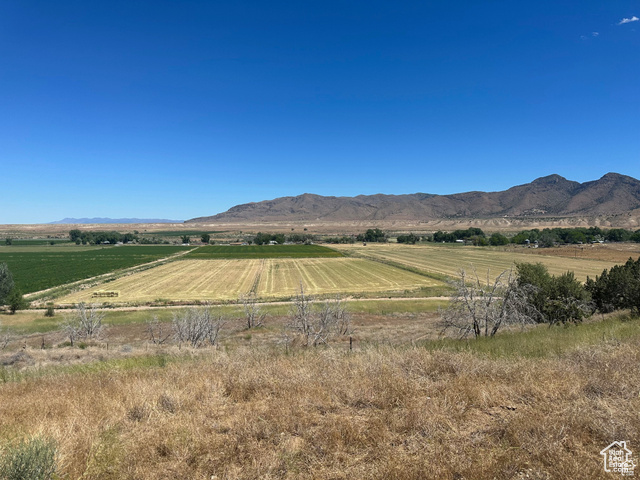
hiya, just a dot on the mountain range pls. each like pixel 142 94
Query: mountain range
pixel 550 196
pixel 112 220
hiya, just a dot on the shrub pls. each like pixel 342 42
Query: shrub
pixel 617 288
pixel 16 301
pixel 481 308
pixel 33 459
pixel 317 326
pixel 84 323
pixel 197 326
pixel 560 299
pixel 497 239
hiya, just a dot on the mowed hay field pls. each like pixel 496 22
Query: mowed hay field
pixel 449 259
pixel 268 278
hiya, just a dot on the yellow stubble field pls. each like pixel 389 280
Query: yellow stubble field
pixel 220 280
pixel 449 259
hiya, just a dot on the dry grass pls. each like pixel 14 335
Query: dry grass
pixel 448 260
pixel 379 413
pixel 611 252
pixel 188 280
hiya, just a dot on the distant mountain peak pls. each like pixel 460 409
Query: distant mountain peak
pixel 616 177
pixel 549 180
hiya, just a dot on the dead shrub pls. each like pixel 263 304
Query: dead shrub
pixel 197 326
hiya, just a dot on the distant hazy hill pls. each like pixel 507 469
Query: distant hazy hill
pixel 115 220
pixel 553 195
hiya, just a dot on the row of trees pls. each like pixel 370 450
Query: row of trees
pixel 551 236
pixel 266 238
pixel 547 237
pixel 93 238
pixel 532 295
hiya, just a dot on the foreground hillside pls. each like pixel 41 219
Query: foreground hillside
pixel 551 196
pixel 535 406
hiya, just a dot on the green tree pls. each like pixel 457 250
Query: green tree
pixel 16 301
pixel 8 241
pixel 375 235
pixel 75 234
pixel 618 288
pixel 205 237
pixel 6 283
pixel 498 239
pixel 559 299
pixel 410 238
pixel 185 239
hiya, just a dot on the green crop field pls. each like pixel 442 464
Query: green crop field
pixel 262 251
pixel 39 268
pixel 39 242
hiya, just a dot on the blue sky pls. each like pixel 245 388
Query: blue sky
pixel 178 109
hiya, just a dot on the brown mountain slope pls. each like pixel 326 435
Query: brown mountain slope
pixel 613 194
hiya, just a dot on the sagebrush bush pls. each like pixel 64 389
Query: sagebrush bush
pixel 33 459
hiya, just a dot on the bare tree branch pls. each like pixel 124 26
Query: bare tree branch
pixel 316 328
pixel 252 311
pixel 483 308
pixel 84 322
pixel 157 334
pixel 197 326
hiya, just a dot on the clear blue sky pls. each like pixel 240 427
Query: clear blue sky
pixel 177 109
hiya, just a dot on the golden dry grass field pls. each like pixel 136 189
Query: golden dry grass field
pixel 449 259
pixel 385 412
pixel 220 280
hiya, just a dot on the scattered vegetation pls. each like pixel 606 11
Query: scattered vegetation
pixel 383 412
